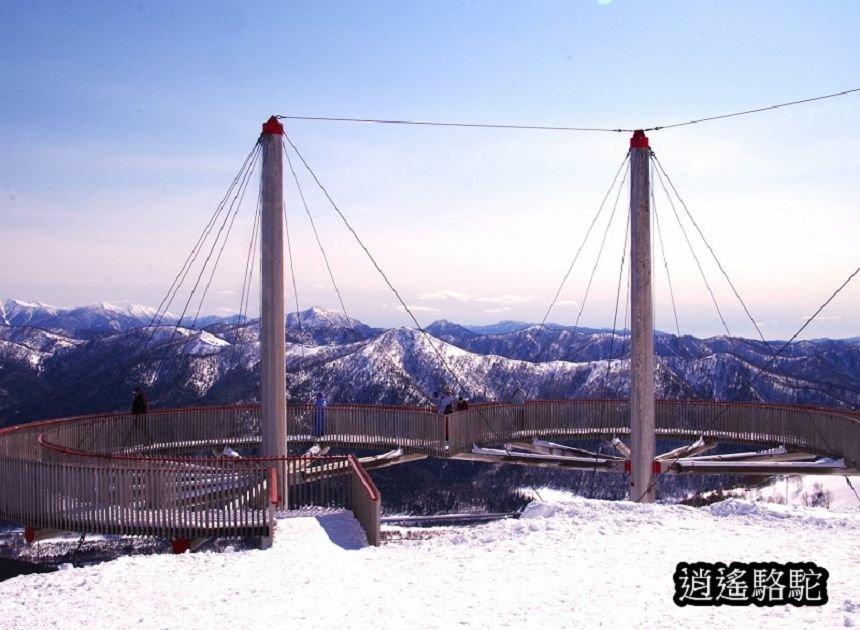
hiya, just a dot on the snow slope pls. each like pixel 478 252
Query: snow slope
pixel 567 563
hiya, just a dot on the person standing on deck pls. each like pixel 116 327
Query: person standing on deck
pixel 319 414
pixel 138 403
pixel 139 407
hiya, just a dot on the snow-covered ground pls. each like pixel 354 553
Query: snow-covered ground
pixel 832 492
pixel 567 563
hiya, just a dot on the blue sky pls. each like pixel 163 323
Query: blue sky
pixel 122 125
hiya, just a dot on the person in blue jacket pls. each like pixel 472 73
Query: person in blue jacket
pixel 319 414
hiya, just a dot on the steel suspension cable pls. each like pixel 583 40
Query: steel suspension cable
pixel 596 262
pixel 361 244
pixel 247 276
pixel 242 177
pixel 293 278
pixel 292 269
pixel 693 253
pixel 753 111
pixel 826 384
pixel 229 219
pixel 316 233
pixel 239 194
pixel 708 245
pixel 763 368
pixel 768 346
pixel 851 485
pixel 235 210
pixel 192 256
pixel 429 123
pixel 615 315
pixel 626 311
pixel 427 337
pixel 584 241
pixel 611 347
pixel 665 260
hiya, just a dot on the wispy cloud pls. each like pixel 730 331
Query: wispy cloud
pixel 503 309
pixel 445 294
pixel 507 298
pixel 823 318
pixel 418 309
pixel 458 296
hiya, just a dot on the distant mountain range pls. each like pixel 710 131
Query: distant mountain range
pixel 56 362
pixel 92 320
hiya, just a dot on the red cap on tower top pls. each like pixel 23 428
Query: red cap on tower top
pixel 273 126
pixel 639 140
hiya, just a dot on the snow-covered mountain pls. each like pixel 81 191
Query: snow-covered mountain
pixel 95 319
pixel 31 346
pixel 327 327
pixel 19 313
pixel 102 317
pixel 449 331
pixel 509 326
pixel 48 371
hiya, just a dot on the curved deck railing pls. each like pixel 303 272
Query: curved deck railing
pixel 824 431
pixel 125 474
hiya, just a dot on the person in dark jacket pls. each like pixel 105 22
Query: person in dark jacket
pixel 319 414
pixel 138 404
pixel 461 405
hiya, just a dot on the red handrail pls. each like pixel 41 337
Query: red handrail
pixel 364 478
pixel 45 442
pixel 66 450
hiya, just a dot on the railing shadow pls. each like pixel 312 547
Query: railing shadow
pixel 343 530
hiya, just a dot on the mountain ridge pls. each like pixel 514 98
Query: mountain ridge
pixel 51 372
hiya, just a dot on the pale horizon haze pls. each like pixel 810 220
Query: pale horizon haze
pixel 122 126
